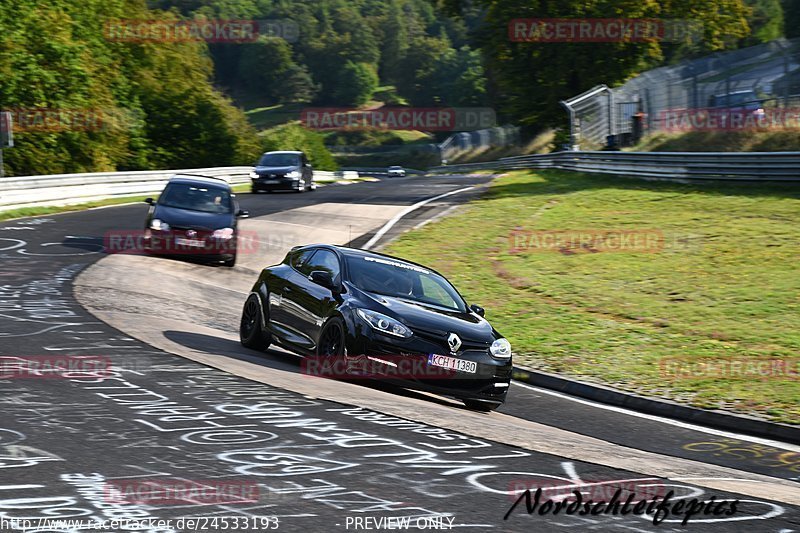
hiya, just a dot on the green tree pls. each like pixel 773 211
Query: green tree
pixel 356 84
pixel 155 103
pixel 791 18
pixel 421 66
pixel 299 85
pixel 529 78
pixel 765 21
pixel 264 67
pixel 395 43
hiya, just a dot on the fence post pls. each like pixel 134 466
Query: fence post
pixel 571 115
pixel 611 114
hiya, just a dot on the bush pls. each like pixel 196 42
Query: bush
pixel 363 137
pixel 293 136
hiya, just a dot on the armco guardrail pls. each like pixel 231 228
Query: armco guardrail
pixel 64 189
pixel 682 166
pixel 380 171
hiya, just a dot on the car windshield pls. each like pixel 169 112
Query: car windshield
pixel 389 277
pixel 395 168
pixel 196 198
pixel 279 160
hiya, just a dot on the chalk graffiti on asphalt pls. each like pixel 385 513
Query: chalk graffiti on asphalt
pixel 768 456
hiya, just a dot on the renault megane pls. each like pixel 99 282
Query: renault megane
pixel 375 316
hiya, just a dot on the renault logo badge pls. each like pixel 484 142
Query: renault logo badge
pixel 454 342
pixel 191 234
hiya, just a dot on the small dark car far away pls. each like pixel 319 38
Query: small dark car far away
pixel 196 217
pixel 283 171
pixel 374 316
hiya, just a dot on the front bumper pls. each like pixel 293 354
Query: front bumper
pixel 164 243
pixel 278 184
pixel 408 364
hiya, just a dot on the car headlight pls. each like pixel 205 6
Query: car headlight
pixel 293 174
pixel 253 175
pixel 223 234
pixel 501 349
pixel 159 225
pixel 384 324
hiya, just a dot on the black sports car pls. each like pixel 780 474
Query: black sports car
pixel 354 314
pixel 195 216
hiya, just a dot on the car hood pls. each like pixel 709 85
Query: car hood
pixel 434 320
pixel 276 170
pixel 193 219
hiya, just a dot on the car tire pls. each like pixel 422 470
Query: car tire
pixel 230 263
pixel 251 330
pixel 478 405
pixel 331 339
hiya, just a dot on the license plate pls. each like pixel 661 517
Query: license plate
pixel 269 182
pixel 453 363
pixel 194 243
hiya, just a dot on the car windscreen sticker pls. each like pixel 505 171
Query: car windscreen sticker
pixel 397 264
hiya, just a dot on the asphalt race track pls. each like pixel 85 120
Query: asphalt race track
pixel 186 405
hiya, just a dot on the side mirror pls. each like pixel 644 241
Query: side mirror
pixel 477 309
pixel 243 214
pixel 322 278
pixel 149 201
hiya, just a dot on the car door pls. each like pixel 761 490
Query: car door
pixel 282 289
pixel 312 304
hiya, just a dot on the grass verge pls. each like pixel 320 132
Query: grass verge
pixel 721 141
pixel 711 319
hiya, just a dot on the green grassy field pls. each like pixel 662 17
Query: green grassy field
pixel 267 117
pixel 723 289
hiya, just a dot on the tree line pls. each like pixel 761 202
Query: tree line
pixel 179 104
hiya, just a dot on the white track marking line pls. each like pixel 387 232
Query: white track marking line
pixel 654 418
pixel 389 225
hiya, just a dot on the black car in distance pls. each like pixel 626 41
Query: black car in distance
pixel 195 217
pixel 355 314
pixel 283 171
